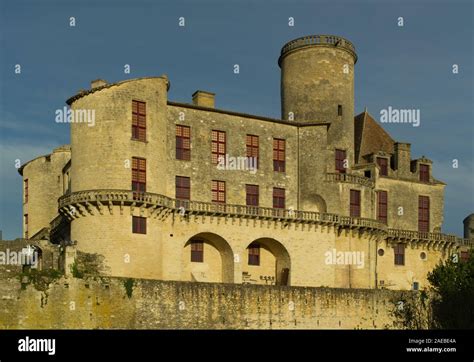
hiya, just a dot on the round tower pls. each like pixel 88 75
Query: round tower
pixel 107 217
pixel 317 86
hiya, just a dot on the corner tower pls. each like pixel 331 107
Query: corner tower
pixel 317 86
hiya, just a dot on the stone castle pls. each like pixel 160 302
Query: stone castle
pixel 157 189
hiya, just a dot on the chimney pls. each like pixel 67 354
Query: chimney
pixel 402 158
pixel 98 83
pixel 203 99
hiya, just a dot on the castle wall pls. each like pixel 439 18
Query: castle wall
pixel 113 303
pixel 164 253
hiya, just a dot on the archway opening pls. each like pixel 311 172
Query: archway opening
pixel 208 257
pixel 266 262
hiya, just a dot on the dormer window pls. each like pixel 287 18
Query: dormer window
pixel 424 173
pixel 383 164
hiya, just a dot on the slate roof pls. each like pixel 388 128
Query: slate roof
pixel 370 137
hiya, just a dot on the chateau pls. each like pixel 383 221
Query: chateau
pixel 329 199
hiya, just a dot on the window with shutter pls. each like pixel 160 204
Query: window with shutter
pixel 138 174
pixel 183 191
pixel 340 161
pixel 138 225
pixel 254 254
pixel 218 191
pixel 423 213
pixel 278 198
pixel 382 206
pixel 252 147
pixel 139 121
pixel 279 155
pixel 183 143
pixel 424 173
pixel 355 203
pixel 197 251
pixel 218 146
pixel 383 165
pixel 252 195
pixel 399 252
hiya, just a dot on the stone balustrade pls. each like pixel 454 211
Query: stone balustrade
pixel 417 235
pixel 349 178
pixel 200 207
pixel 150 199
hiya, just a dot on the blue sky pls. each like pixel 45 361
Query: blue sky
pixel 402 67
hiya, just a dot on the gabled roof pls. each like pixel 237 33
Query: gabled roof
pixel 370 137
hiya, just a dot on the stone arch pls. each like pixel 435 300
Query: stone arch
pixel 217 259
pixel 274 265
pixel 314 202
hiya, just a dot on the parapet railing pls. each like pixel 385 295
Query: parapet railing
pixel 152 199
pixel 418 235
pixel 345 177
pixel 200 207
pixel 318 40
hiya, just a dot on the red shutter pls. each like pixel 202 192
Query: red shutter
pixel 279 155
pixel 424 173
pixel 218 146
pixel 382 206
pixel 252 195
pixel 183 143
pixel 355 203
pixel 278 198
pixel 218 191
pixel 252 147
pixel 139 120
pixel 183 191
pixel 197 251
pixel 138 174
pixel 399 252
pixel 423 213
pixel 340 160
pixel 383 164
pixel 254 254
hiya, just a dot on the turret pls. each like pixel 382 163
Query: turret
pixel 317 86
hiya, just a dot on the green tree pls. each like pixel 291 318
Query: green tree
pixel 453 302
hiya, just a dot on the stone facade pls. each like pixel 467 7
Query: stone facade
pixel 313 241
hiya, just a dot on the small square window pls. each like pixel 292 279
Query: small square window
pixel 139 225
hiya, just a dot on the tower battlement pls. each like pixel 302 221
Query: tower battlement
pixel 317 40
